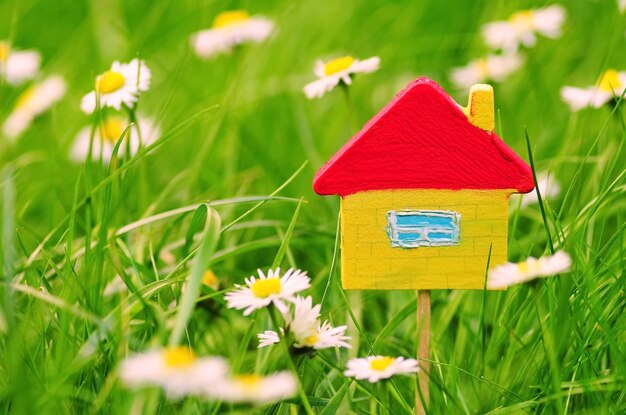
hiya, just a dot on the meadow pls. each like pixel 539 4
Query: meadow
pixel 227 186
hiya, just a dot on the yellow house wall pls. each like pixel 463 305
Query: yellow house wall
pixel 369 262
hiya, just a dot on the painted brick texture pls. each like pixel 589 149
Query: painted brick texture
pixel 370 262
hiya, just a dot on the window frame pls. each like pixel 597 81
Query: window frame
pixel 394 230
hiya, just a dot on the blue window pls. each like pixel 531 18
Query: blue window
pixel 413 228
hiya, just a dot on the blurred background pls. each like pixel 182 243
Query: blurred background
pixel 242 126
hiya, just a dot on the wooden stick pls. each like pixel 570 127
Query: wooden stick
pixel 423 350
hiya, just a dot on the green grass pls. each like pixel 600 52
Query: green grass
pixel 236 129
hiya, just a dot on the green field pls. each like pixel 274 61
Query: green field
pixel 239 135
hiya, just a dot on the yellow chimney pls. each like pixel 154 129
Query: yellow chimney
pixel 479 110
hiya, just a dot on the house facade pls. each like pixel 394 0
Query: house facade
pixel 424 192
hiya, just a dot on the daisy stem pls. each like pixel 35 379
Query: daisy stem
pixel 373 406
pixel 548 344
pixel 354 125
pixel 97 119
pixel 132 115
pixel 283 343
pixel 384 398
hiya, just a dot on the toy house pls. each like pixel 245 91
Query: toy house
pixel 424 192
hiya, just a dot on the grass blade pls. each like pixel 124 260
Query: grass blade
pixel 208 243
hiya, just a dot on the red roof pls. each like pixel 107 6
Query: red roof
pixel 422 140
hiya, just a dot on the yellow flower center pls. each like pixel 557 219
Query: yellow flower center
pixel 528 266
pixel 265 288
pixel 110 81
pixel 609 81
pixel 248 381
pixel 338 65
pixel 523 267
pixel 230 18
pixel 524 19
pixel 381 363
pixel 4 51
pixel 310 341
pixel 178 356
pixel 25 98
pixel 112 129
pixel 483 68
pixel 209 279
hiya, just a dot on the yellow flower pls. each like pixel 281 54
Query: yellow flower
pixel 381 363
pixel 337 65
pixel 489 68
pixel 255 389
pixel 335 71
pixel 523 27
pixel 33 102
pixel 307 329
pixel 375 368
pixel 504 276
pixel 118 86
pixel 266 290
pixel 18 66
pixel 231 18
pixel 230 29
pixel 107 135
pixel 610 85
pixel 177 370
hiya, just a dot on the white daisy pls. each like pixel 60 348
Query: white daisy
pixel 119 85
pixel 611 85
pixel 268 338
pixel 230 29
pixel 31 103
pixel 254 389
pixel 548 186
pixel 175 369
pixel 621 4
pixel 375 368
pixel 17 66
pixel 523 27
pixel 307 329
pixel 508 274
pixel 266 290
pixel 327 336
pixel 338 70
pixel 489 68
pixel 107 135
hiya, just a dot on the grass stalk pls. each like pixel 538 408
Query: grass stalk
pixel 549 347
pixel 289 359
